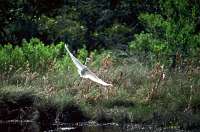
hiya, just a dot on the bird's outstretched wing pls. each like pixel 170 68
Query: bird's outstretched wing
pixel 86 74
pixel 77 63
pixel 94 78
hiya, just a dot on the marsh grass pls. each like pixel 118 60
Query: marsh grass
pixel 139 93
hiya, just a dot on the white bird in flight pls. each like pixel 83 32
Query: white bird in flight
pixel 84 71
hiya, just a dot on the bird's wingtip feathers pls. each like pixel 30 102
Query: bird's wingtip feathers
pixel 66 47
pixel 110 85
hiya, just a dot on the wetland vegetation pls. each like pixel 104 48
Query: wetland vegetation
pixel 148 50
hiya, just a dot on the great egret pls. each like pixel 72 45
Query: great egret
pixel 84 72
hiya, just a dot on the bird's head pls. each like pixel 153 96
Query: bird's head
pixel 87 60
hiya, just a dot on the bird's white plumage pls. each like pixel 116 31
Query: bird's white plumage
pixel 77 63
pixel 84 71
pixel 94 78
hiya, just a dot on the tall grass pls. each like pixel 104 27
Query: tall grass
pixel 47 75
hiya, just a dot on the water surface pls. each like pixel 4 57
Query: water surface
pixel 81 127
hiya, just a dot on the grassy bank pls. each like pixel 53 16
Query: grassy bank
pixel 40 83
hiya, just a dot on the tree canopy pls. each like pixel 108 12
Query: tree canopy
pixel 165 26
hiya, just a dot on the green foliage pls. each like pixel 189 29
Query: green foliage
pixel 145 42
pixel 38 55
pixel 4 57
pixel 11 58
pixel 74 22
pixel 17 58
pixel 82 54
pixel 116 34
pixel 169 32
pixel 63 27
pixel 35 56
pixel 172 25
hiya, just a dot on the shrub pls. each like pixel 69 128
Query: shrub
pixel 171 32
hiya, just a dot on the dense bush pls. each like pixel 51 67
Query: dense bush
pixel 75 22
pixel 35 56
pixel 160 27
pixel 168 33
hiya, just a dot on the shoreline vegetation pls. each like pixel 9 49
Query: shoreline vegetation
pixel 41 84
pixel 148 49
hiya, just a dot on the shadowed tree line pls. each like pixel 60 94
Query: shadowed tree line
pixel 163 27
pixel 50 20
